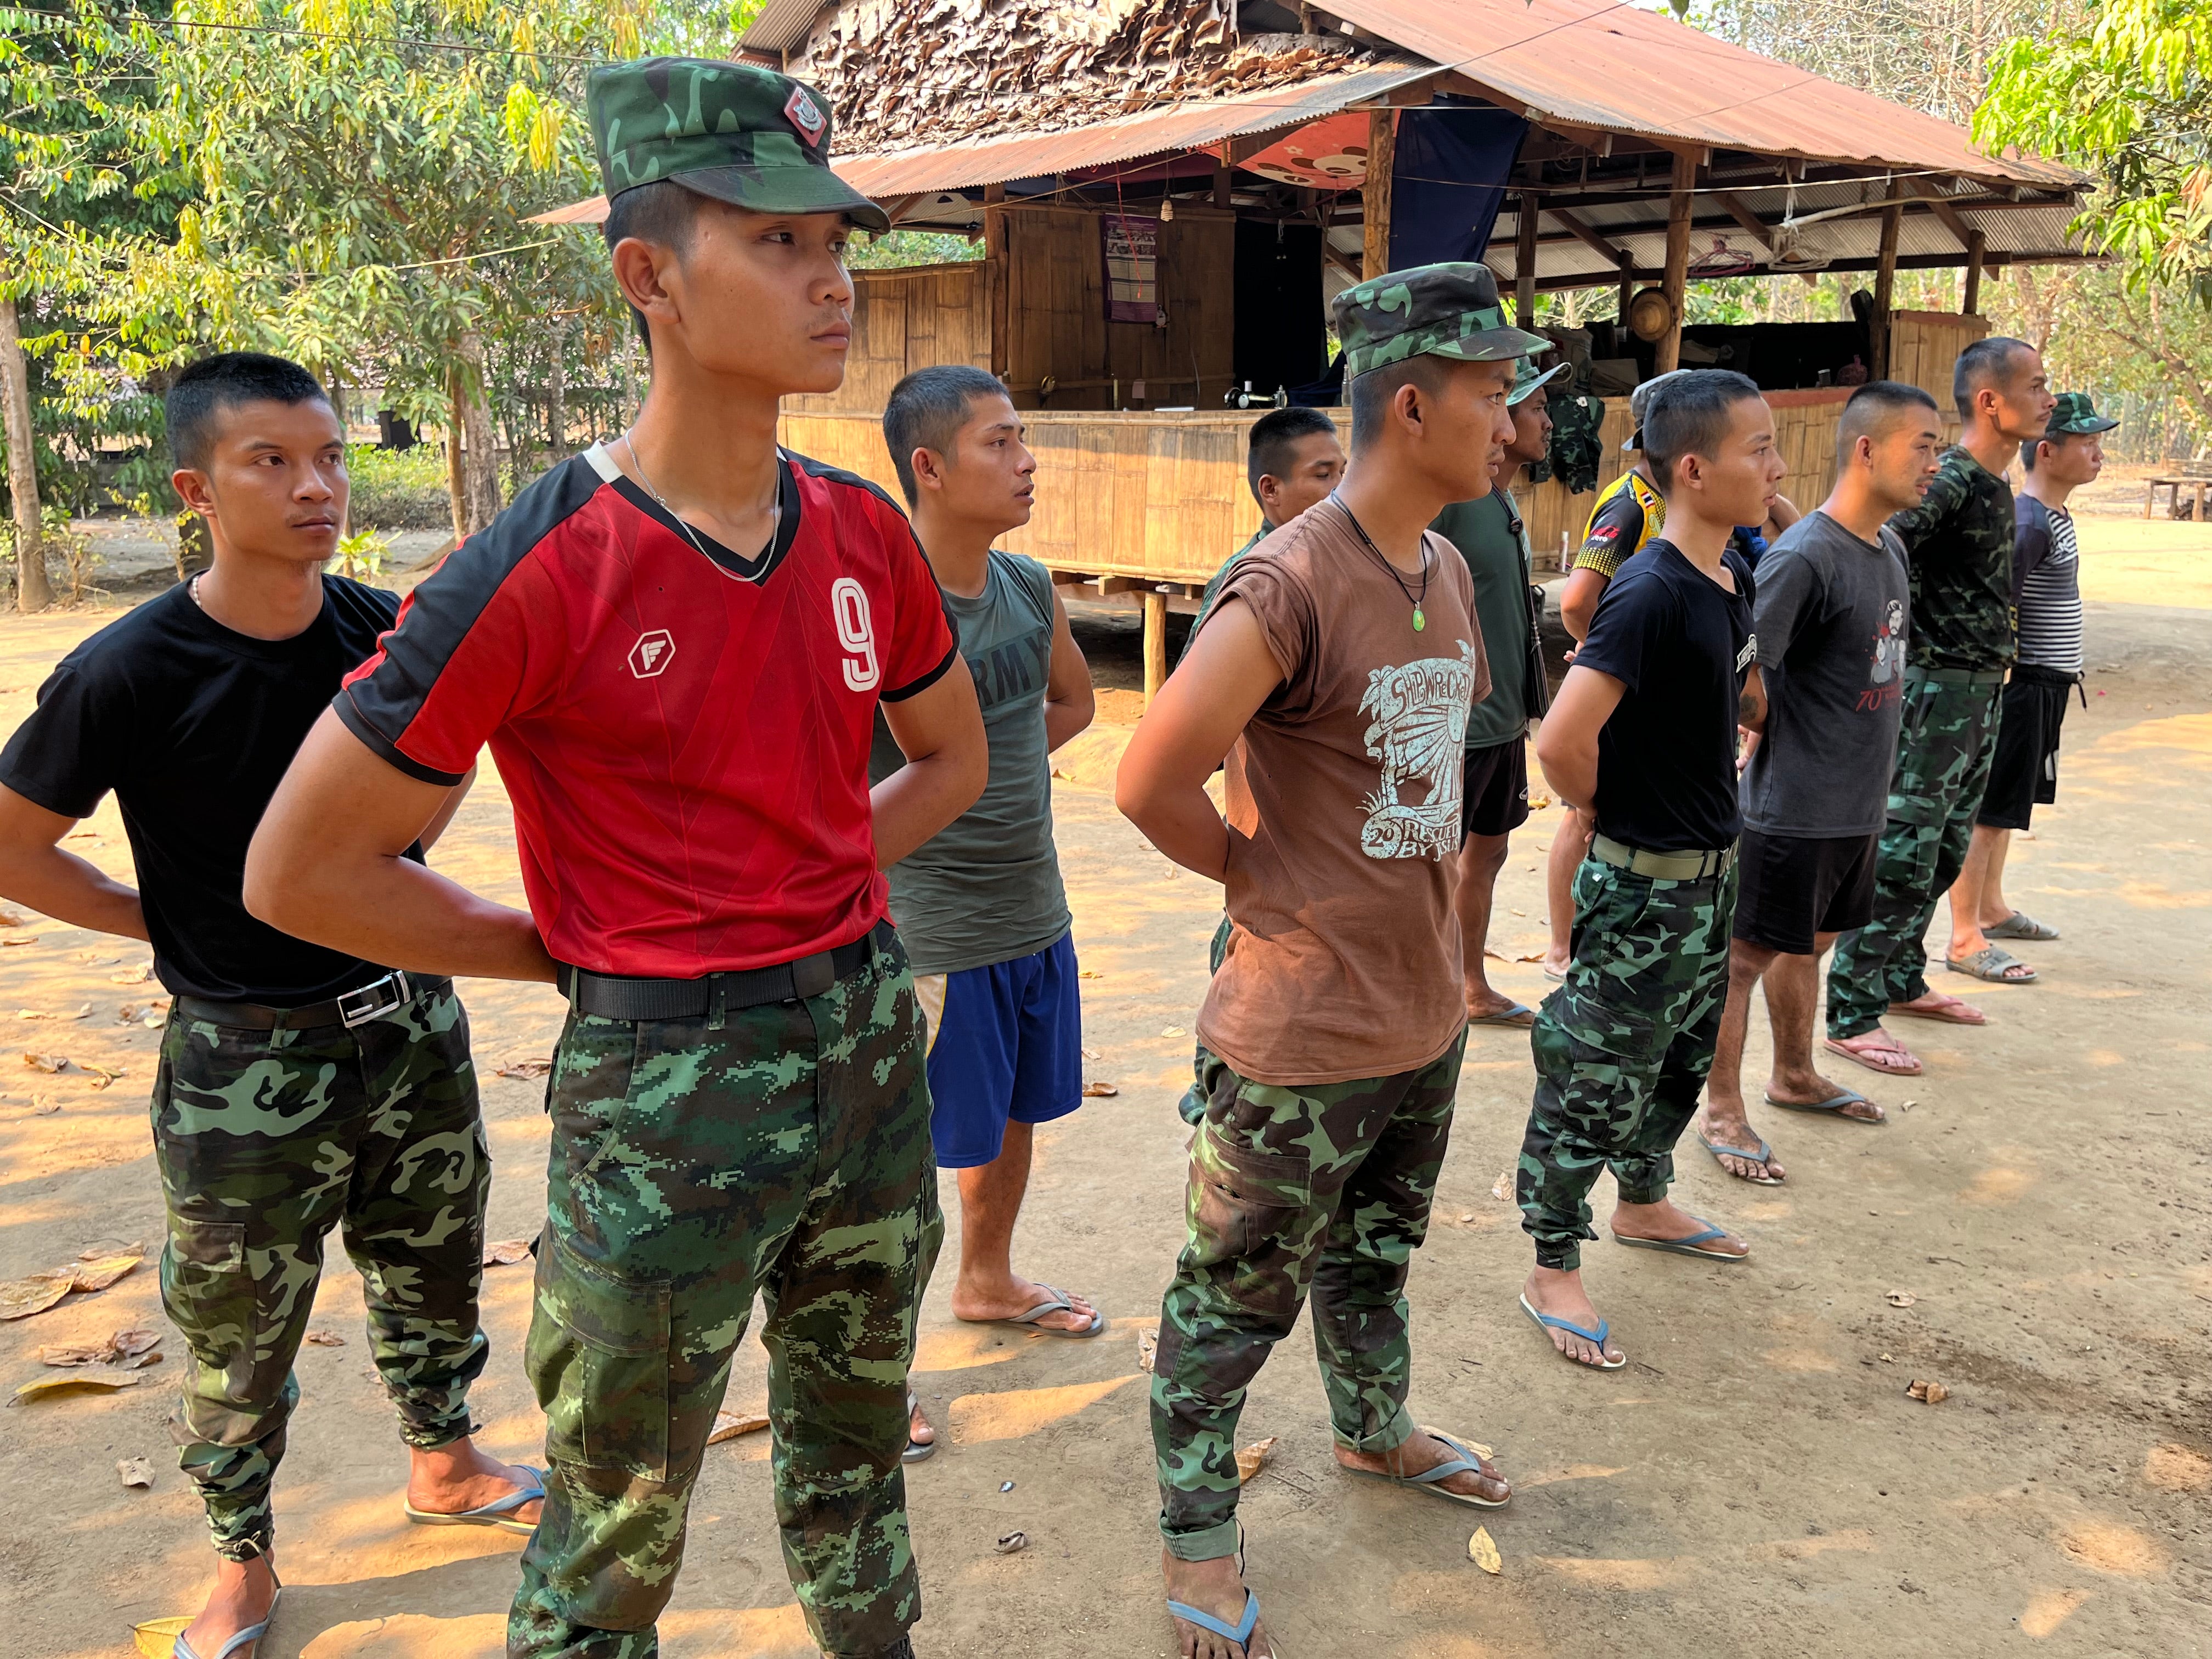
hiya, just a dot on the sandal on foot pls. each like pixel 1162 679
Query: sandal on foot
pixel 2020 925
pixel 1546 1323
pixel 245 1639
pixel 916 1451
pixel 497 1513
pixel 1991 964
pixel 1240 1632
pixel 1055 1302
pixel 1467 1462
pixel 1832 1106
pixel 1686 1245
pixel 1721 1149
pixel 1865 1057
pixel 1945 1012
pixel 1559 975
pixel 1514 1013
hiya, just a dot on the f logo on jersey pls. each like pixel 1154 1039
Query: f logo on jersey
pixel 652 654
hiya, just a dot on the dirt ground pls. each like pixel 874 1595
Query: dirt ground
pixel 1755 1482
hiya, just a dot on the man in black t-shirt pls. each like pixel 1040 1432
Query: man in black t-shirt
pixel 298 1087
pixel 1643 735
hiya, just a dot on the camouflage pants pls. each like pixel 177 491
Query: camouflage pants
pixel 266 1140
pixel 783 1150
pixel 1320 1187
pixel 1622 1048
pixel 1944 747
pixel 1192 1106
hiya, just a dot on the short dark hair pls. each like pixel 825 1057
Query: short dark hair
pixel 1274 437
pixel 1372 393
pixel 1870 410
pixel 1985 362
pixel 1689 416
pixel 662 212
pixel 927 410
pixel 225 380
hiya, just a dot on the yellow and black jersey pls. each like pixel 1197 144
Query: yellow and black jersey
pixel 1629 513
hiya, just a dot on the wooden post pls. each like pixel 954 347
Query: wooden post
pixel 33 591
pixel 1156 643
pixel 1627 291
pixel 1375 194
pixel 1972 305
pixel 1221 179
pixel 1676 277
pixel 999 271
pixel 1524 262
pixel 1885 290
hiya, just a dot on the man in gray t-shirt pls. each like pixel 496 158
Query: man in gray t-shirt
pixel 979 906
pixel 1832 616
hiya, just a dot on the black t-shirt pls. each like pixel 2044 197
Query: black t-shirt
pixel 1681 643
pixel 192 725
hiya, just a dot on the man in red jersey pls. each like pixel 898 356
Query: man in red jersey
pixel 675 646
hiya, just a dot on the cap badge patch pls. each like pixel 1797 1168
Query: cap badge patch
pixel 806 115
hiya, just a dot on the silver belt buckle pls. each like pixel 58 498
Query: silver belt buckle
pixel 360 1005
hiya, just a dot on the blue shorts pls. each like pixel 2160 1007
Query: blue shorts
pixel 1005 1045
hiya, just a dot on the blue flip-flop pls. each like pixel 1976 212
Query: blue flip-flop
pixel 247 1638
pixel 497 1513
pixel 1832 1107
pixel 1240 1632
pixel 1511 1014
pixel 1466 1462
pixel 1761 1157
pixel 1686 1245
pixel 1548 1323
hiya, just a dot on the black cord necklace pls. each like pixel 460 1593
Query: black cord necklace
pixel 1420 620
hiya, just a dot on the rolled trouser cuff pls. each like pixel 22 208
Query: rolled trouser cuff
pixel 1391 1435
pixel 1655 1193
pixel 1206 1544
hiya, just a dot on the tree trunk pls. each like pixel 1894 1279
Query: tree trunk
pixel 556 405
pixel 456 494
pixel 33 591
pixel 479 450
pixel 338 407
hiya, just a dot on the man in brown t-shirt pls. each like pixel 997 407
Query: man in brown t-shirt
pixel 1336 673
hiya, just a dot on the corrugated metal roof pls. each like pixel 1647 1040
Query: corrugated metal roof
pixel 1042 155
pixel 781 25
pixel 1610 65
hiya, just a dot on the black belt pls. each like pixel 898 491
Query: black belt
pixel 611 996
pixel 355 1007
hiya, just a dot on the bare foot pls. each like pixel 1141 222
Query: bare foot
pixel 1422 1451
pixel 1941 1005
pixel 1668 1220
pixel 1215 1587
pixel 1556 964
pixel 1559 1293
pixel 1016 1296
pixel 1723 1128
pixel 458 1477
pixel 243 1594
pixel 1877 1051
pixel 1485 1003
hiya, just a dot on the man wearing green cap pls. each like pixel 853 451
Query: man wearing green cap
pixel 1336 672
pixel 2047 589
pixel 677 647
pixel 1490 537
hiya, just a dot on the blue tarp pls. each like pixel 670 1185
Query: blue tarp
pixel 1448 181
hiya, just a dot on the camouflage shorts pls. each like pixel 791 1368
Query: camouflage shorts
pixel 781 1151
pixel 267 1139
pixel 1622 1048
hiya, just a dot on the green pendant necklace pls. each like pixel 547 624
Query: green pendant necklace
pixel 1420 617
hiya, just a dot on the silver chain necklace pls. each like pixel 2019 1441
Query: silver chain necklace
pixel 775 508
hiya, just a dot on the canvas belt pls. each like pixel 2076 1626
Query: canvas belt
pixel 616 996
pixel 1958 675
pixel 356 1007
pixel 1694 864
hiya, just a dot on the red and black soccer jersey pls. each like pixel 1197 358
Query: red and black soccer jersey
pixel 684 734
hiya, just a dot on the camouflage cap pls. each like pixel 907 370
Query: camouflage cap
pixel 1528 377
pixel 737 132
pixel 1442 311
pixel 2074 414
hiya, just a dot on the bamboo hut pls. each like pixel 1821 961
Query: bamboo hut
pixel 1168 192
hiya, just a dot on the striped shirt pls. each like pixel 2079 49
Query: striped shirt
pixel 2047 580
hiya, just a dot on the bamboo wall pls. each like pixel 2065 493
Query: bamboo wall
pixel 1924 348
pixel 1162 498
pixel 906 319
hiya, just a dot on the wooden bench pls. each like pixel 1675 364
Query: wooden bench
pixel 2195 477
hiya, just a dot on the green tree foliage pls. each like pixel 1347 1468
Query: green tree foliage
pixel 2127 93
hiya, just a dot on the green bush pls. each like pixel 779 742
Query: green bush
pixel 399 489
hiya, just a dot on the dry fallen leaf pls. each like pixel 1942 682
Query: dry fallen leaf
pixel 135 1471
pixel 1482 1550
pixel 21 938
pixel 44 1105
pixel 46 1062
pixel 72 1353
pixel 21 1298
pixel 1093 1054
pixel 1934 1392
pixel 95 1271
pixel 1538 803
pixel 728 1425
pixel 157 1637
pixel 1172 1031
pixel 1900 1298
pixel 137 976
pixel 101 1076
pixel 1011 1542
pixel 1502 1188
pixel 13 919
pixel 1251 1459
pixel 1534 956
pixel 507 1252
pixel 322 1339
pixel 1099 1091
pixel 1148 1345
pixel 536 1066
pixel 96 959
pixel 100 1379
